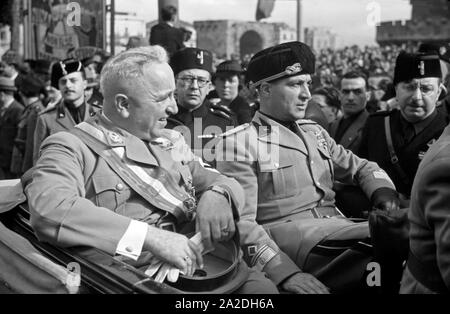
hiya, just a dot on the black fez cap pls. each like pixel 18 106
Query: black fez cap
pixel 434 49
pixel 63 68
pixel 284 60
pixel 191 58
pixel 229 66
pixel 416 65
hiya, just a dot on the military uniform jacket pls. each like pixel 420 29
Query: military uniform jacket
pixel 429 218
pixel 205 120
pixel 284 174
pixel 351 139
pixel 374 146
pixel 8 132
pixel 54 120
pixel 75 198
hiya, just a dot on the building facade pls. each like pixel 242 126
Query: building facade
pixel 430 22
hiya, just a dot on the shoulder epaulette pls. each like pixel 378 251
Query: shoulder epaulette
pixel 235 130
pixel 45 110
pixel 306 121
pixel 382 113
pixel 221 111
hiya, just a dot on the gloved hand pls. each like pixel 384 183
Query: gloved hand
pixel 165 270
pixel 385 199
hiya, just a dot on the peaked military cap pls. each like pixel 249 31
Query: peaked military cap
pixel 191 58
pixel 6 84
pixel 229 66
pixel 416 65
pixel 284 60
pixel 63 68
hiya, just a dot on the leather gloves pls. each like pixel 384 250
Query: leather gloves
pixel 385 199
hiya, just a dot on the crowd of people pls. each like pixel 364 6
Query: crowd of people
pixel 281 149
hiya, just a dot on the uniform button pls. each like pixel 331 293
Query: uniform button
pixel 276 165
pixel 119 186
pixel 129 249
pixel 318 183
pixel 312 162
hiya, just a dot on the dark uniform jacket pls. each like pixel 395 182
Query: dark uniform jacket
pixel 428 267
pixel 8 132
pixel 284 176
pixel 242 109
pixel 351 139
pixel 374 146
pixel 206 120
pixel 54 120
pixel 171 38
pixel 23 151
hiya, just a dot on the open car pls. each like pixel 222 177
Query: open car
pixel 28 265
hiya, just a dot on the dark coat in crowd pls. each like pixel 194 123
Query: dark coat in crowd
pixel 351 137
pixel 171 38
pixel 22 159
pixel 410 152
pixel 211 117
pixel 8 132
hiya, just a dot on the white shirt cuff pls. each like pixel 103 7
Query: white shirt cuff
pixel 131 243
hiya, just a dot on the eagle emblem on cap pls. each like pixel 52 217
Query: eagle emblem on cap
pixel 422 68
pixel 200 57
pixel 63 68
pixel 293 69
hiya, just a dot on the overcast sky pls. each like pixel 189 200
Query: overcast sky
pixel 347 18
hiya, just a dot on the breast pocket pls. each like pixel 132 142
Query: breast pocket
pixel 328 162
pixel 277 181
pixel 111 193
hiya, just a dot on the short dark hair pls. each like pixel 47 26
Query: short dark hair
pixel 354 75
pixel 168 13
pixel 331 95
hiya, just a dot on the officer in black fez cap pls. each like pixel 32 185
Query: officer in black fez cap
pixel 193 68
pixel 413 125
pixel 62 68
pixel 287 166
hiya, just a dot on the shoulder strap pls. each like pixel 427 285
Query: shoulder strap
pixel 392 154
pixel 157 187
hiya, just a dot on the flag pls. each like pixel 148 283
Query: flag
pixel 264 9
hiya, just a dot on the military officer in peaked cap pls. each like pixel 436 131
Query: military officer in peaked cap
pixel 398 140
pixel 197 119
pixel 68 76
pixel 287 166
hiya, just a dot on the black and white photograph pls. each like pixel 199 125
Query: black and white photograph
pixel 228 153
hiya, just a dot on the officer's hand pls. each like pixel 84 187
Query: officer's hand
pixel 304 283
pixel 175 249
pixel 214 218
pixel 385 199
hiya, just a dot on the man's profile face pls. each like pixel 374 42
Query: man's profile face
pixel 227 86
pixel 192 86
pixel 151 100
pixel 72 86
pixel 329 111
pixel 288 98
pixel 354 95
pixel 417 98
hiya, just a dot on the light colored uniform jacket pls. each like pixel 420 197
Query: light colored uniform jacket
pixel 285 175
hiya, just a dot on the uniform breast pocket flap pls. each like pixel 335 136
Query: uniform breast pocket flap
pixel 277 180
pixel 110 192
